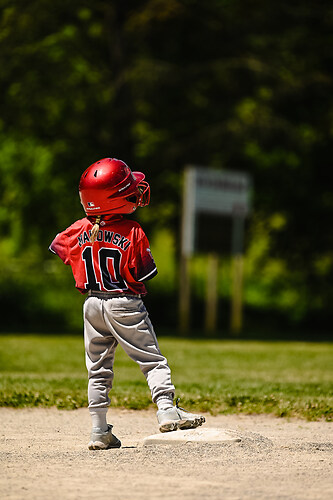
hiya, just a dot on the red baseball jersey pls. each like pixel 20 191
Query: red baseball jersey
pixel 118 261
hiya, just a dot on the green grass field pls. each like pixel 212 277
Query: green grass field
pixel 279 378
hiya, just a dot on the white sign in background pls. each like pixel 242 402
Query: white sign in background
pixel 214 192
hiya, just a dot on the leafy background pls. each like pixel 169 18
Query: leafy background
pixel 242 85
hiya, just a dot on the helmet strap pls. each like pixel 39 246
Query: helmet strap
pixel 95 229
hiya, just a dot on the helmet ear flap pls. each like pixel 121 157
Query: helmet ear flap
pixel 142 196
pixel 133 198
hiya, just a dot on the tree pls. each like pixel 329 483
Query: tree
pixel 162 83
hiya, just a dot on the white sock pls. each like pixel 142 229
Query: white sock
pixel 164 402
pixel 98 418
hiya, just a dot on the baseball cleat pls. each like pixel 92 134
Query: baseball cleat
pixel 177 418
pixel 103 440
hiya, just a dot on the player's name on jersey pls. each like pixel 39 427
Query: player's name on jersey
pixel 107 237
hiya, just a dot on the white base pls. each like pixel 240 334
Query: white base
pixel 199 435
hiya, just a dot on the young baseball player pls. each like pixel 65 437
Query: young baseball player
pixel 110 260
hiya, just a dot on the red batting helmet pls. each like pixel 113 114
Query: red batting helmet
pixel 110 187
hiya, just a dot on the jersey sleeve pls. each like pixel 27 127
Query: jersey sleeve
pixel 142 265
pixel 60 247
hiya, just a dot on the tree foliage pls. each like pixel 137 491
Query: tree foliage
pixel 243 85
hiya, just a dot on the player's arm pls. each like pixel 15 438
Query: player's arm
pixel 149 269
pixel 59 246
pixel 143 267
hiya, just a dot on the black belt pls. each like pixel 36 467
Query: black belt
pixel 111 295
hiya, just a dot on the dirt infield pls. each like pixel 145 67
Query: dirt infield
pixel 44 455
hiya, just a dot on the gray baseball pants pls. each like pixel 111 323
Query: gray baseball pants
pixel 124 321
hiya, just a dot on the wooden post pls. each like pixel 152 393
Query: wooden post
pixel 187 248
pixel 237 292
pixel 184 295
pixel 211 294
pixel 236 319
